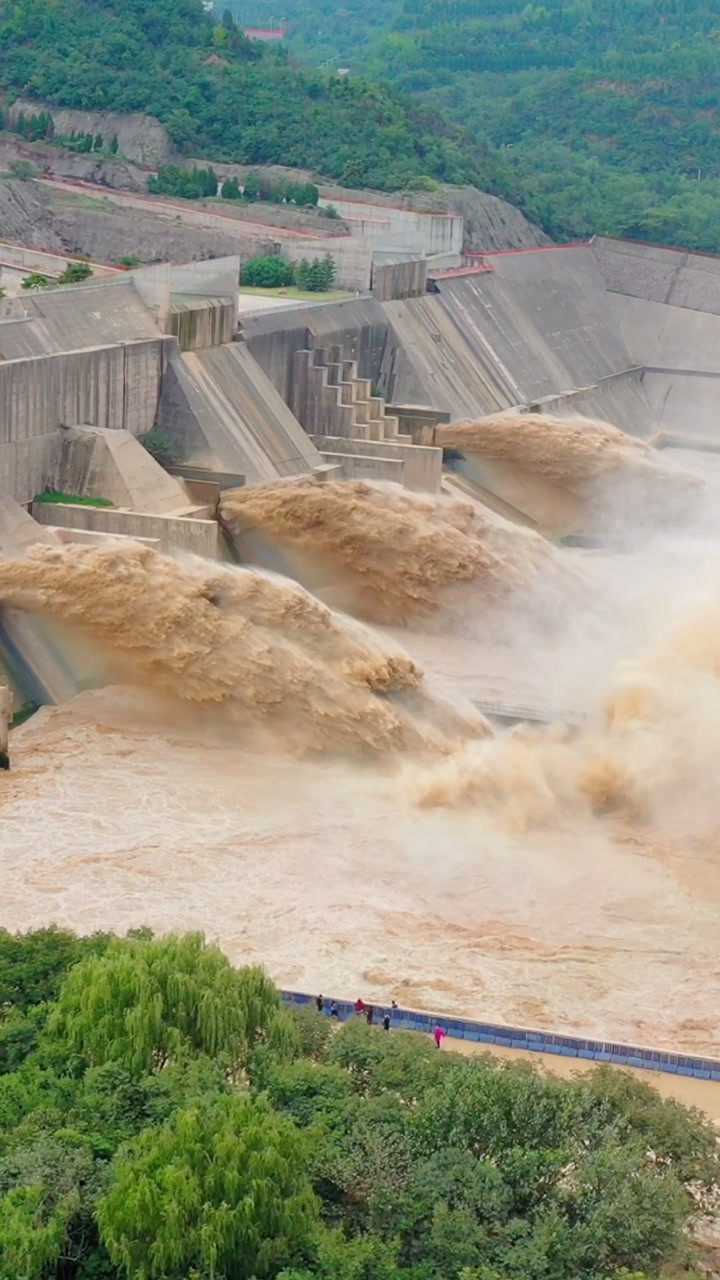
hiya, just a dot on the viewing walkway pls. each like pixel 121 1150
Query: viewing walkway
pixel 534 1041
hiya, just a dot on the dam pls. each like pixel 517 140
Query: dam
pixel 436 586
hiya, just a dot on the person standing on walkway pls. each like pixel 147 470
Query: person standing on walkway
pixel 359 1006
pixel 439 1035
pixel 369 1011
pixel 386 1021
pixel 334 1010
pixel 320 1003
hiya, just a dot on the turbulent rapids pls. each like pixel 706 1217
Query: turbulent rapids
pixel 392 554
pixel 647 750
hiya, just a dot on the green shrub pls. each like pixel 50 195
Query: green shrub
pixel 24 170
pixel 231 189
pixel 188 184
pixel 267 273
pixel 36 280
pixel 75 272
pixel 422 183
pixel 161 446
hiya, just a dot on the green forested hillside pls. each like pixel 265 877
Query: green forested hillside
pixel 592 115
pixel 219 95
pixel 602 115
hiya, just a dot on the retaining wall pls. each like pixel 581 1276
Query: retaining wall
pixel 352 257
pixel 95 314
pixel 532 1040
pixel 362 466
pixel 620 399
pixel 172 533
pixel 385 227
pixel 222 411
pixel 420 466
pixel 399 279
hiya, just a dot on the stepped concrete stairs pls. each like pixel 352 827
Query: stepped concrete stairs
pixel 224 412
pixel 351 426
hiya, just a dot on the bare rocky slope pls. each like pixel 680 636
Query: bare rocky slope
pixel 42 217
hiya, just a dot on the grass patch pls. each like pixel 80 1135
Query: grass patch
pixel 76 200
pixel 304 295
pixel 52 495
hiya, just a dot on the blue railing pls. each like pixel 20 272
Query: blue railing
pixel 533 1041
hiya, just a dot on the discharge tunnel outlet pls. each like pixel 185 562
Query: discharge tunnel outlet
pixel 6 706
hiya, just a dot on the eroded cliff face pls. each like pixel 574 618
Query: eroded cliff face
pixel 492 224
pixel 141 138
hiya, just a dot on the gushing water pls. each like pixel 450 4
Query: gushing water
pixel 391 555
pixel 258 646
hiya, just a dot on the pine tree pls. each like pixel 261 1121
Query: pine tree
pixel 231 189
pixel 329 271
pixel 114 144
pixel 99 143
pixel 252 186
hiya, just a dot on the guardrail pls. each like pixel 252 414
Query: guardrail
pixel 530 1040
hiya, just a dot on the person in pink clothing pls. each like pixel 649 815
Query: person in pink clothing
pixel 439 1035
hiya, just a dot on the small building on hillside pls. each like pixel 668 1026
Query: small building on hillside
pixel 266 34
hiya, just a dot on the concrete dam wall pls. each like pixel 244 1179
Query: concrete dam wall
pixel 116 387
pixel 540 328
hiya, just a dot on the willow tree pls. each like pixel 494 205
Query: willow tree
pixel 30 1240
pixel 221 1190
pixel 146 1001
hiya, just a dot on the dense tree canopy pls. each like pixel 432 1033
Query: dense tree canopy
pixel 220 95
pixel 169 1120
pixel 223 1188
pixel 599 116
